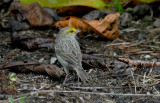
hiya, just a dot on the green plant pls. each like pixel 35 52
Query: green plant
pixel 10 100
pixel 12 77
pixel 12 80
pixel 23 98
pixel 118 6
pixel 99 4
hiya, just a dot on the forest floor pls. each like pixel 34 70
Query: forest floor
pixel 111 79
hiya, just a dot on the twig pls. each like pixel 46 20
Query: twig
pixel 107 55
pixel 144 52
pixel 140 63
pixel 86 57
pixel 93 88
pixel 144 77
pixel 134 81
pixel 115 44
pixel 90 88
pixel 155 89
pixel 88 64
pixel 96 93
pixel 112 76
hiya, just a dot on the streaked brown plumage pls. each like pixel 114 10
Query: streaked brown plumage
pixel 68 52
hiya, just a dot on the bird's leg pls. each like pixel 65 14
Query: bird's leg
pixel 67 74
pixel 78 81
pixel 65 79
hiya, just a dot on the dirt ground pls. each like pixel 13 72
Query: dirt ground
pixel 119 83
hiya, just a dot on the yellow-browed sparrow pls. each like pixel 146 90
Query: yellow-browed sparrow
pixel 68 52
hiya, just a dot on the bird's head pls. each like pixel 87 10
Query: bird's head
pixel 69 30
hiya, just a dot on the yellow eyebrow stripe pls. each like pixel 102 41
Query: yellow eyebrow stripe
pixel 72 29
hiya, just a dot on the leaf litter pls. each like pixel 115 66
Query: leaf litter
pixel 120 81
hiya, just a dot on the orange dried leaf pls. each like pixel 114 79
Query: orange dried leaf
pixel 107 27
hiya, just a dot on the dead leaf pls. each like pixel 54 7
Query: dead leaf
pixel 54 71
pixel 18 63
pixel 140 63
pixel 33 13
pixel 107 27
pixel 26 41
pixel 21 66
pixel 17 25
pixel 50 69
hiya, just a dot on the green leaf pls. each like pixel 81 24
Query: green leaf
pixel 15 88
pixel 12 75
pixel 13 79
pixel 99 4
pixel 23 98
pixel 147 1
pixel 10 100
pixel 119 6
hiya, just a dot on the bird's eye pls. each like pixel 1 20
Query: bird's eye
pixel 71 31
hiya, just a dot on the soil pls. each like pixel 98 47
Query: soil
pixel 121 83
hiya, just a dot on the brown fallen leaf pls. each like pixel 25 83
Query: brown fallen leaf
pixel 53 70
pixel 50 69
pixel 33 43
pixel 18 25
pixel 32 12
pixel 107 27
pixel 16 63
pixel 21 66
pixel 140 63
pixel 27 41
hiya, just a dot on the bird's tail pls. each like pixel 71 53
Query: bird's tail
pixel 81 73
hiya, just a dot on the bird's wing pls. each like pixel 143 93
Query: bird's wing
pixel 69 51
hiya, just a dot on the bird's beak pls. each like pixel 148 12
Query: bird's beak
pixel 78 30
